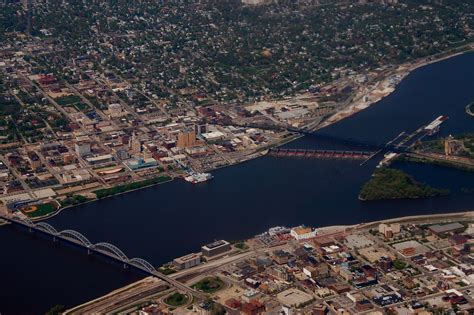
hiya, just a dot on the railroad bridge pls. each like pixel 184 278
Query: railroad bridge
pixel 107 249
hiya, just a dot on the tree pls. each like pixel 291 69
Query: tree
pixel 56 310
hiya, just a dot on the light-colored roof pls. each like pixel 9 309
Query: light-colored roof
pixel 302 230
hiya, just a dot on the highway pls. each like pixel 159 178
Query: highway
pixel 149 287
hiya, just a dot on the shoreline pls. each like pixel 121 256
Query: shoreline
pixel 53 214
pixel 353 108
pixel 467 215
pixel 323 232
pixel 403 70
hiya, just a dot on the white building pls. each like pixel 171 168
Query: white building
pixel 302 233
pixel 388 230
pixel 213 136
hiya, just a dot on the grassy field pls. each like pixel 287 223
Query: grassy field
pixel 106 192
pixel 209 285
pixel 176 299
pixel 81 106
pixel 73 200
pixel 67 100
pixel 42 210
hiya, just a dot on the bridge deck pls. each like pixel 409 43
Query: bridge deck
pixel 322 154
pixel 105 249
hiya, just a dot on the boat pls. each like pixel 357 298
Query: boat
pixel 433 127
pixel 388 157
pixel 197 178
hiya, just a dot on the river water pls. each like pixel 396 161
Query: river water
pixel 166 221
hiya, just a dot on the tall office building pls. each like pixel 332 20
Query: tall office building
pixel 135 144
pixel 186 139
pixel 82 148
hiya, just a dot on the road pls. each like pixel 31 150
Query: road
pixel 149 287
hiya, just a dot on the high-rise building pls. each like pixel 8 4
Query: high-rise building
pixel 199 129
pixel 186 139
pixel 389 230
pixel 83 148
pixel 135 144
pixel 35 161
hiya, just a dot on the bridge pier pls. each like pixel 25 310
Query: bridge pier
pixel 324 154
pixel 106 249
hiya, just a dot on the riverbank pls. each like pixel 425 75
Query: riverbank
pixel 390 184
pixel 437 160
pixel 427 218
pixel 53 214
pixel 406 69
pixel 383 89
pixel 354 107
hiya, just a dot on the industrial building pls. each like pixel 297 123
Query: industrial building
pixel 447 228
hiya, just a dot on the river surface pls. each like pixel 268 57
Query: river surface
pixel 170 220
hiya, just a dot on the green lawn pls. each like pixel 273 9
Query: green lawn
pixel 67 100
pixel 399 265
pixel 106 192
pixel 73 200
pixel 43 209
pixel 176 299
pixel 209 285
pixel 81 106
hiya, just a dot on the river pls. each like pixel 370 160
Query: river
pixel 165 221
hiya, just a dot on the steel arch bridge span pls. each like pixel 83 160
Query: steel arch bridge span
pixel 25 220
pixel 75 236
pixel 43 226
pixel 142 264
pixel 111 250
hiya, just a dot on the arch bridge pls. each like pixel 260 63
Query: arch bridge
pixel 106 249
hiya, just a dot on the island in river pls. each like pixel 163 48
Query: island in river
pixel 388 183
pixel 264 192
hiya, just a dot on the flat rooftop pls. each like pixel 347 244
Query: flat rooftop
pixel 293 297
pixel 216 244
pixel 188 257
pixel 437 228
